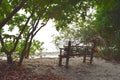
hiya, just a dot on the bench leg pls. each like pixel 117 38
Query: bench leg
pixel 60 61
pixel 84 58
pixel 67 62
pixel 91 58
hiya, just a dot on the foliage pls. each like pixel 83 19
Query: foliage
pixel 87 17
pixel 36 14
pixel 81 27
pixel 107 24
pixel 100 22
pixel 36 46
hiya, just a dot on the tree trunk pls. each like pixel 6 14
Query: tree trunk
pixel 0 2
pixel 20 62
pixel 9 59
pixel 21 59
pixel 27 54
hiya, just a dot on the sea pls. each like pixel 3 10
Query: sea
pixel 37 55
pixel 46 55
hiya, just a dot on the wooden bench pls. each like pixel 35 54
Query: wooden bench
pixel 72 51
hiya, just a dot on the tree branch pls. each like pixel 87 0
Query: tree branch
pixel 12 13
pixel 40 28
pixel 3 46
pixel 22 31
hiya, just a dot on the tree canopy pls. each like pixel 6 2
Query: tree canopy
pixel 30 16
pixel 101 21
pixel 80 19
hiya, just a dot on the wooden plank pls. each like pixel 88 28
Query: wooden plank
pixel 71 51
pixel 68 54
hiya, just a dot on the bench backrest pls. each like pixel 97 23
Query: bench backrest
pixel 77 49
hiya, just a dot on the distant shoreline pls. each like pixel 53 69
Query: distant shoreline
pixel 46 55
pixel 38 55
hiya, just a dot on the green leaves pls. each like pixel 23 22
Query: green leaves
pixel 5 9
pixel 61 25
pixel 36 46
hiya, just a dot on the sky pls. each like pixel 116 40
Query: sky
pixel 45 35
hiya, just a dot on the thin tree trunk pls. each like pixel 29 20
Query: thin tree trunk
pixel 20 61
pixel 17 40
pixel 31 34
pixel 0 2
pixel 27 54
pixel 9 59
pixel 24 50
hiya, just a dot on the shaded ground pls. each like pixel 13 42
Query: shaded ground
pixel 47 69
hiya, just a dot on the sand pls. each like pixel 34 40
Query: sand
pixel 99 70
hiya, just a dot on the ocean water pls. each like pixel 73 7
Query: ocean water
pixel 38 55
pixel 46 55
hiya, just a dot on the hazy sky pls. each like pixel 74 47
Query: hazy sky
pixel 45 35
